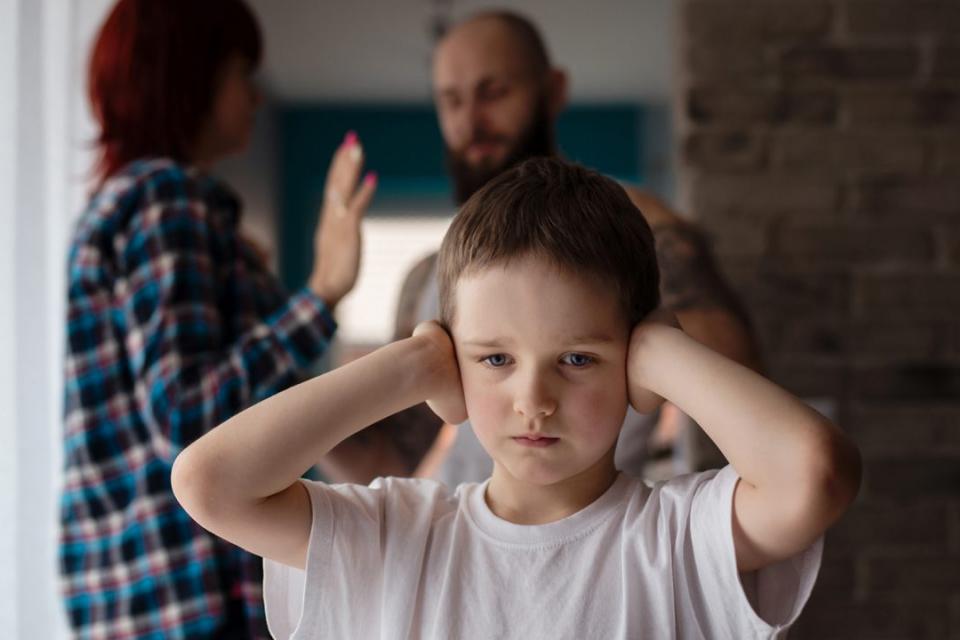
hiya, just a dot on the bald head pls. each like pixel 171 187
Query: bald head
pixel 509 31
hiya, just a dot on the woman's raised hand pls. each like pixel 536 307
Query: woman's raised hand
pixel 337 242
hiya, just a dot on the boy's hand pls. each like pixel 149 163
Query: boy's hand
pixel 444 389
pixel 641 398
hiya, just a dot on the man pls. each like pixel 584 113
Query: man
pixel 498 99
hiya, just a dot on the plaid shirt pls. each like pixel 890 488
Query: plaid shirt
pixel 174 326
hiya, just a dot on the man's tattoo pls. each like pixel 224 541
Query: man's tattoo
pixel 689 278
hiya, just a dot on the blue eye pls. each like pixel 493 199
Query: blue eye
pixel 497 360
pixel 578 360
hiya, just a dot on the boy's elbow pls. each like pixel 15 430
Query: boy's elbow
pixel 188 479
pixel 834 470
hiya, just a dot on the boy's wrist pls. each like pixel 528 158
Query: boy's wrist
pixel 646 342
pixel 437 372
pixel 424 363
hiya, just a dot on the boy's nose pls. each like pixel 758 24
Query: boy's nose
pixel 533 399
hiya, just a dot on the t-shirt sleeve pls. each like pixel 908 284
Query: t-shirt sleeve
pixel 354 528
pixel 769 600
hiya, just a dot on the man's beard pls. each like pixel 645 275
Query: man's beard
pixel 537 140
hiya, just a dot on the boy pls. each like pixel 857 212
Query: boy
pixel 547 283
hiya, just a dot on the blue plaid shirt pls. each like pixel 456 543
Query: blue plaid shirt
pixel 174 326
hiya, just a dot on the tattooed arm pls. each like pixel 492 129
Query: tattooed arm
pixel 396 445
pixel 691 285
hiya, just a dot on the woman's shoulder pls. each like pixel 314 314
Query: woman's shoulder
pixel 148 185
pixel 157 179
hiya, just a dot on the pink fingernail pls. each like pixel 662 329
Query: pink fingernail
pixel 350 138
pixel 371 177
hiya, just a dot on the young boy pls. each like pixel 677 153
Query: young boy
pixel 547 283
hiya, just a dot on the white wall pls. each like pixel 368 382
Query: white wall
pixel 380 49
pixel 9 17
pixel 44 160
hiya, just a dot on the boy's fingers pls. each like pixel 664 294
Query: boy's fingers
pixel 428 326
pixel 423 327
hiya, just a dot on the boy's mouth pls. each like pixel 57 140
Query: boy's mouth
pixel 535 441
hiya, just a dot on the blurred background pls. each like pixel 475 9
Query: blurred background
pixel 817 141
pixel 331 67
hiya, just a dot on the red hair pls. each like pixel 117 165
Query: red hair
pixel 154 74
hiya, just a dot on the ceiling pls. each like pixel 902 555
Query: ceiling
pixel 378 50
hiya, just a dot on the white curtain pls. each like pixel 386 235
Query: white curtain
pixel 45 131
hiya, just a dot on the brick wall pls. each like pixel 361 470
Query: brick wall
pixel 821 152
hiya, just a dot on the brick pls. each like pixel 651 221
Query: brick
pixel 803 334
pixel 890 620
pixel 911 295
pixel 755 20
pixel 946 154
pixel 863 342
pixel 838 572
pixel 900 18
pixel 946 62
pixel 931 478
pixel 873 338
pixel 915 430
pixel 727 151
pixel 922 381
pixel 954 528
pixel 730 106
pixel 710 62
pixel 732 238
pixel 838 63
pixel 872 107
pixel 911 430
pixel 827 152
pixel 906 197
pixel 777 292
pixel 952 242
pixel 808 377
pixel 764 194
pixel 835 246
pixel 923 572
pixel 885 524
pixel 954 623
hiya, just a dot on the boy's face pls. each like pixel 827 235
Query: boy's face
pixel 542 358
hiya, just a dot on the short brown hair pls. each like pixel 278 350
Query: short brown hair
pixel 575 218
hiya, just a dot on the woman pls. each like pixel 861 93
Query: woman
pixel 174 322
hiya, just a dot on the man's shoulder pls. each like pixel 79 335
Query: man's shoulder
pixel 415 284
pixel 422 269
pixel 656 211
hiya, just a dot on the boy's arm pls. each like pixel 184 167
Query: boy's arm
pixel 798 472
pixel 240 481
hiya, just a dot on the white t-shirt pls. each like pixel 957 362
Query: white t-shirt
pixel 403 558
